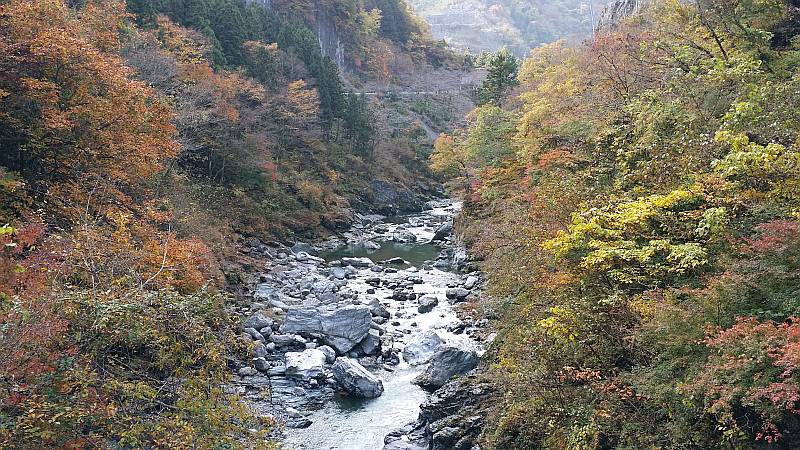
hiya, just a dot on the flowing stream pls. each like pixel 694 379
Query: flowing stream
pixel 408 266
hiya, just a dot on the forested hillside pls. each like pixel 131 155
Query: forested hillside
pixel 635 204
pixel 519 25
pixel 144 151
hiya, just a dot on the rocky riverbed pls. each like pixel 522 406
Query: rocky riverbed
pixel 352 335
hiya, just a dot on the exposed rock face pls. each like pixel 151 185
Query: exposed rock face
pixel 422 347
pixel 356 380
pixel 617 11
pixel 453 417
pixel 391 200
pixel 446 363
pixel 342 329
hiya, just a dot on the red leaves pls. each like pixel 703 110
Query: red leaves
pixel 775 237
pixel 754 364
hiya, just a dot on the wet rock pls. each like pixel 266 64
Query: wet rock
pixel 446 363
pixel 355 379
pixel 357 262
pixel 282 340
pixel 378 310
pixel 261 364
pixel 422 346
pixel 427 303
pixel 260 350
pixel 396 260
pixel 307 364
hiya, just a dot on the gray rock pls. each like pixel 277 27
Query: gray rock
pixel 338 273
pixel 357 262
pixel 258 321
pixel 247 372
pixel 372 245
pixel 356 380
pixel 260 350
pixel 371 344
pixel 261 364
pixel 444 230
pixel 421 348
pixel 282 340
pixel 307 364
pixel 254 334
pixel 405 237
pixel 457 293
pixel 342 329
pixel 330 353
pixel 378 310
pixel 446 363
pixel 427 303
pixel 302 247
pixel 471 282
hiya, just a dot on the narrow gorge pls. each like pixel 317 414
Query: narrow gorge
pixel 352 333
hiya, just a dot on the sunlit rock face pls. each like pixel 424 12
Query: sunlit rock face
pixel 618 10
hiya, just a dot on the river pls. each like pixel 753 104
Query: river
pixel 403 266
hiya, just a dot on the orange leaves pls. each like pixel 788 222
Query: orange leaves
pixel 70 95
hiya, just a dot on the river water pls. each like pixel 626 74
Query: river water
pixel 345 423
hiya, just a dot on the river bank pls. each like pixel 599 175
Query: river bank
pixel 343 331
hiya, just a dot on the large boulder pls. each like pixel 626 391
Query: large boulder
pixel 444 230
pixel 356 380
pixel 422 347
pixel 307 364
pixel 446 363
pixel 342 329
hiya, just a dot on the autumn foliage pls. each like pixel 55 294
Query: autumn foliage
pixel 635 204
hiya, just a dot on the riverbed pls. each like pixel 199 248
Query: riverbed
pixel 393 265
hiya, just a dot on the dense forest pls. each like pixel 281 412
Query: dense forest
pixel 635 201
pixel 144 149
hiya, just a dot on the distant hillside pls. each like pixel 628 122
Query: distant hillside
pixel 519 25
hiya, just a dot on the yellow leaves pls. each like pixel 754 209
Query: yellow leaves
pixel 561 323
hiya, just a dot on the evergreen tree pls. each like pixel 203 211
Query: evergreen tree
pixel 502 76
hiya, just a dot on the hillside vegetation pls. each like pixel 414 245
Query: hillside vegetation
pixel 143 153
pixel 635 203
pixel 519 25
